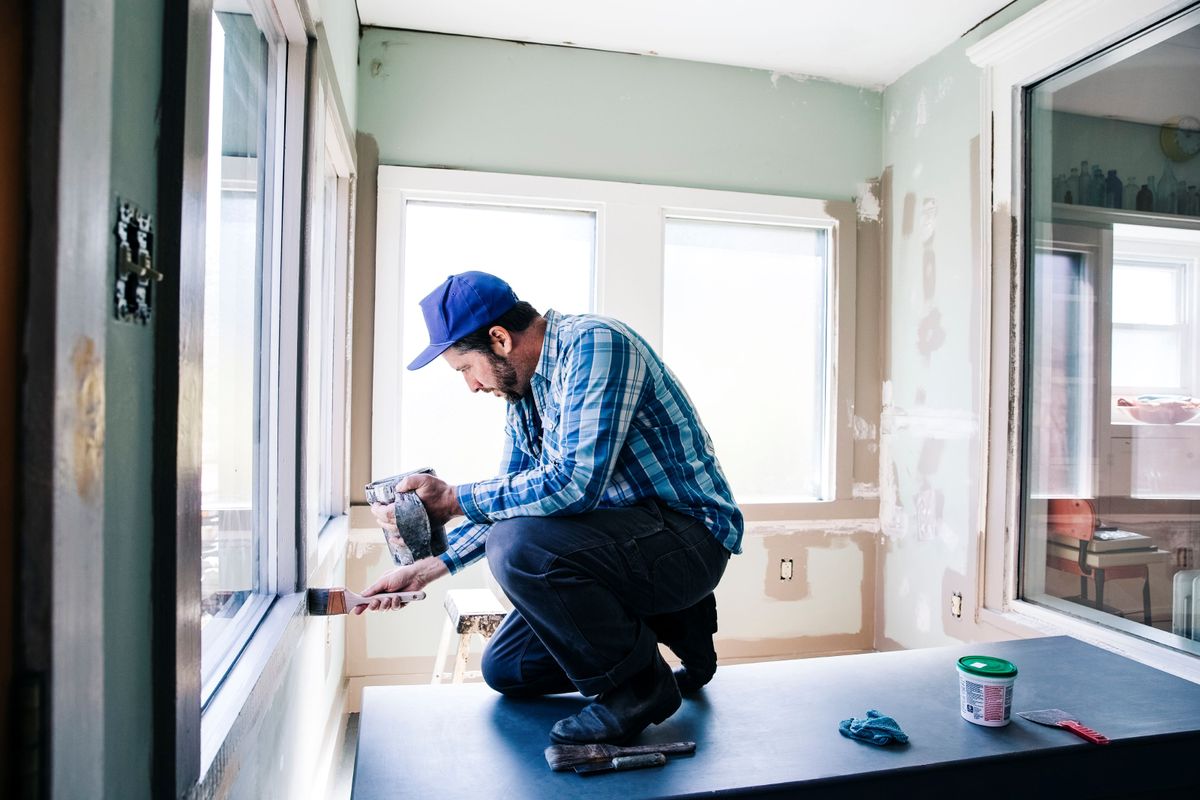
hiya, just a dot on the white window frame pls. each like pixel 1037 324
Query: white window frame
pixel 276 497
pixel 628 283
pixel 205 742
pixel 1048 38
pixel 331 144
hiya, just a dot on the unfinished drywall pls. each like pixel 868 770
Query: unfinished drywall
pixel 934 389
pixel 799 589
pixel 466 103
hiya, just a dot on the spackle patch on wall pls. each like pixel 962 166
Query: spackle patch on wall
pixel 867 201
pixel 88 433
pixel 908 215
pixel 921 115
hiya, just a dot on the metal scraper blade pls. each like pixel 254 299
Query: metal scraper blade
pixel 1057 718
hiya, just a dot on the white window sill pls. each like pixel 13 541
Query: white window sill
pixel 249 688
pixel 1025 619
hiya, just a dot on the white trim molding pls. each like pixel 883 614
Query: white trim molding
pixel 1050 37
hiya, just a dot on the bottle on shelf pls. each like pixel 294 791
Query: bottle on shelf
pixel 1085 184
pixel 1071 192
pixel 1182 198
pixel 1129 194
pixel 1096 187
pixel 1058 191
pixel 1145 197
pixel 1164 198
pixel 1113 190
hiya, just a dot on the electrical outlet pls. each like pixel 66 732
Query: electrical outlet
pixel 956 604
pixel 785 569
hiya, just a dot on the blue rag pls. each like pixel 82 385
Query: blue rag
pixel 876 729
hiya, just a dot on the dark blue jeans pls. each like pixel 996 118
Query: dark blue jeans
pixel 582 587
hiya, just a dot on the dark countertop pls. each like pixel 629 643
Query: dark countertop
pixel 771 728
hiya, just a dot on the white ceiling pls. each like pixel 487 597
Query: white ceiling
pixel 859 42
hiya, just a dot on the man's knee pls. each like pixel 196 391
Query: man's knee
pixel 498 672
pixel 514 548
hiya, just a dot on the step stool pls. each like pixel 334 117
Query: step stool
pixel 468 612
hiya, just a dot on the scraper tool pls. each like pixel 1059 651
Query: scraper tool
pixel 1057 718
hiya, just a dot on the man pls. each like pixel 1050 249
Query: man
pixel 611 522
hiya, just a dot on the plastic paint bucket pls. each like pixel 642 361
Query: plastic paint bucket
pixel 985 690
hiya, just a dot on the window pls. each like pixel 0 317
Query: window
pixel 250 421
pixel 672 263
pixel 234 530
pixel 324 328
pixel 1156 296
pixel 1111 439
pixel 546 254
pixel 771 282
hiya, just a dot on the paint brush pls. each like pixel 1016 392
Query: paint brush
pixel 567 756
pixel 328 602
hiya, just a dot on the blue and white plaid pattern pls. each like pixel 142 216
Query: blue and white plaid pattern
pixel 615 428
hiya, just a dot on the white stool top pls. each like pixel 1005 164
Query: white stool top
pixel 474 611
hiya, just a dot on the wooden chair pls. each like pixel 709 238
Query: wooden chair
pixel 1076 518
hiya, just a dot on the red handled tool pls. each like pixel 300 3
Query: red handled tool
pixel 1057 718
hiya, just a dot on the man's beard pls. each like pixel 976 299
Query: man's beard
pixel 506 377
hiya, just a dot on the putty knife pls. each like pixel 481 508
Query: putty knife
pixel 1057 718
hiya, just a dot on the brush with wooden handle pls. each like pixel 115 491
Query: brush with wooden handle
pixel 567 756
pixel 329 602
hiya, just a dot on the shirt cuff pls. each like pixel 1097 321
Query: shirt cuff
pixel 450 559
pixel 466 499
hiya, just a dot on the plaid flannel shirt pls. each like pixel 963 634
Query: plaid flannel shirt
pixel 605 425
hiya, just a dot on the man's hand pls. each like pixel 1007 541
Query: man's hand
pixel 438 497
pixel 412 578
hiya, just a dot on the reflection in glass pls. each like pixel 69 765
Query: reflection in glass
pixel 1111 332
pixel 230 532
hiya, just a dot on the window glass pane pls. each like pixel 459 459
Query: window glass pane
pixel 230 532
pixel 1145 295
pixel 1110 460
pixel 1145 357
pixel 546 255
pixel 1061 400
pixel 319 336
pixel 745 310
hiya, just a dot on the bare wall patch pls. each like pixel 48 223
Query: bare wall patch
pixel 867 201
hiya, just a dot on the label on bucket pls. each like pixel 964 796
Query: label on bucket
pixel 985 703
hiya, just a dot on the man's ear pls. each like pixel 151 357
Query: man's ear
pixel 501 341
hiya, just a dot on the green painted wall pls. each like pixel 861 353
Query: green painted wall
pixel 930 442
pixel 129 416
pixel 432 100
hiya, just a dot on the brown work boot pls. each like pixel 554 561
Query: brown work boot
pixel 619 714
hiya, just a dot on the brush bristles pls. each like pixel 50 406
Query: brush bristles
pixel 326 602
pixel 566 756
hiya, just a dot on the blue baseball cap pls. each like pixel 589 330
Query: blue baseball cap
pixel 462 304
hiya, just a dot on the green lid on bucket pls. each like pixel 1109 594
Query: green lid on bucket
pixel 987 666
